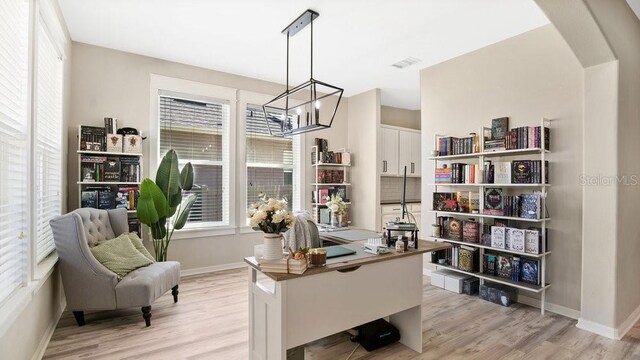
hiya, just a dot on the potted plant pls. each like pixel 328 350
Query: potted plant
pixel 270 215
pixel 337 207
pixel 160 204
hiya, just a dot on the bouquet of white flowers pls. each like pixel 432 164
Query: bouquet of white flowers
pixel 270 216
pixel 336 205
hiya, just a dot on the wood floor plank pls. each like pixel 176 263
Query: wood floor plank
pixel 211 322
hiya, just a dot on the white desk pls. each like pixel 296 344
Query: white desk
pixel 287 310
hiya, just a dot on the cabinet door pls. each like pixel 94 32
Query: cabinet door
pixel 389 151
pixel 404 154
pixel 416 153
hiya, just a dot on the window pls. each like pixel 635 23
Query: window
pixel 14 20
pixel 198 130
pixel 47 141
pixel 270 165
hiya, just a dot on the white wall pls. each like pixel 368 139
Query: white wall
pixel 394 116
pixel 363 135
pixel 526 77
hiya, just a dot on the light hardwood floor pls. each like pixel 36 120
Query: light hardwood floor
pixel 211 322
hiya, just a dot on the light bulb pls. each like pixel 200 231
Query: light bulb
pixel 299 111
pixel 317 104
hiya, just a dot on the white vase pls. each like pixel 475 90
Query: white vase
pixel 272 249
pixel 334 220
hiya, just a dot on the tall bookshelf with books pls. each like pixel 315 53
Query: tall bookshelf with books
pixel 489 200
pixel 110 169
pixel 331 177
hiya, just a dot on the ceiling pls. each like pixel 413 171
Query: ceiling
pixel 635 6
pixel 356 41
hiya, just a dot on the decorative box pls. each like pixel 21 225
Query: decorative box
pixel 114 143
pixel 133 144
pixel 470 286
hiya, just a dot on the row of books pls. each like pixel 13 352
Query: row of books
pixel 515 268
pixel 463 257
pixel 498 236
pixel 526 206
pixel 449 145
pixel 330 176
pixel 524 137
pixel 108 197
pixel 516 172
pixel 458 173
pixel 324 156
pixel 324 195
pixel 116 168
pixel 285 265
pixel 460 201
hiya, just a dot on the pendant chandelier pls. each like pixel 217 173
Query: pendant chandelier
pixel 307 107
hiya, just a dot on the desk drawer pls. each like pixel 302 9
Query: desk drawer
pixel 335 301
pixel 391 209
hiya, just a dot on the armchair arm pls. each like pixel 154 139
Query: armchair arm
pixel 88 285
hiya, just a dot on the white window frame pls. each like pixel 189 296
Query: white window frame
pixel 163 85
pixel 36 275
pixel 246 98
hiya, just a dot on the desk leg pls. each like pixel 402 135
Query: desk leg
pixel 409 322
pixel 267 336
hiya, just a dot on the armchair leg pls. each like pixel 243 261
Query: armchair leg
pixel 79 315
pixel 146 314
pixel 174 292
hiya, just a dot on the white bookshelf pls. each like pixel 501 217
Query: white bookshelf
pixel 82 185
pixel 532 153
pixel 318 166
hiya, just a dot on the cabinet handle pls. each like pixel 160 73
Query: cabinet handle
pixel 384 165
pixel 412 169
pixel 354 268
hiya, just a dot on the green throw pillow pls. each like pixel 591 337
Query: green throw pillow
pixel 119 255
pixel 137 242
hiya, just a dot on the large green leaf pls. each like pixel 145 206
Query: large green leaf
pixel 168 179
pixel 149 189
pixel 185 208
pixel 186 177
pixel 146 211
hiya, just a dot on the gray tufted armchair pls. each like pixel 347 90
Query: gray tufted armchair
pixel 88 285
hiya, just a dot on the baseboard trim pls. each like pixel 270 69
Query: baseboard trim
pixel 596 328
pixel 626 325
pixel 554 308
pixel 46 337
pixel 209 269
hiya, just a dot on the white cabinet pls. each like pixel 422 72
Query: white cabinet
pixel 389 151
pixel 400 148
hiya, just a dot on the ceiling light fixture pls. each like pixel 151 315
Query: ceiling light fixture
pixel 283 113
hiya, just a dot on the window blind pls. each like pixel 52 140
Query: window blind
pixel 198 132
pixel 48 141
pixel 270 165
pixel 14 19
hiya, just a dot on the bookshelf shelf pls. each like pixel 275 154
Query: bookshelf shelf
pixel 480 246
pixel 329 164
pixel 331 184
pixel 514 152
pixel 499 280
pixel 492 185
pixel 487 216
pixel 319 204
pixel 106 153
pixel 478 161
pixel 107 183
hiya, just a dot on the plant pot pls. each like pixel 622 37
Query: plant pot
pixel 272 249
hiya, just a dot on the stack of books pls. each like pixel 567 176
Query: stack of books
pixel 280 266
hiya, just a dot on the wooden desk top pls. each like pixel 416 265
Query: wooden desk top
pixel 423 247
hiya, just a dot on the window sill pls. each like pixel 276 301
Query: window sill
pixel 247 230
pixel 16 303
pixel 186 234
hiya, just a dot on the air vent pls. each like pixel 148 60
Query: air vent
pixel 406 62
